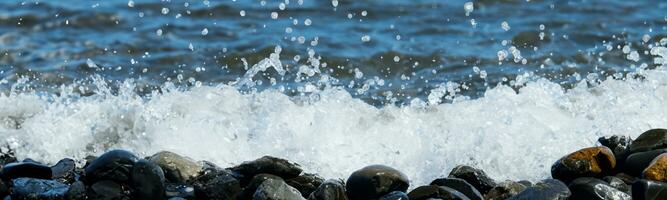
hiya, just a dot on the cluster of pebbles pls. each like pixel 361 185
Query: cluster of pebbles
pixel 619 168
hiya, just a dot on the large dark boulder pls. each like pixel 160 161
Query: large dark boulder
pixel 550 189
pixel 374 181
pixel 476 177
pixel 587 162
pixel 276 189
pixel 147 180
pixel 177 169
pixel 650 140
pixel 587 188
pixel 436 192
pixel 217 185
pixel 26 169
pixel 267 165
pixel 114 165
pixel 459 185
pixel 649 190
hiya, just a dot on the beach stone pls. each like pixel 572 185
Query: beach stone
pixel 436 192
pixel 249 190
pixel 374 181
pixel 114 165
pixel 476 177
pixel 329 190
pixel 459 185
pixel 107 189
pixel 527 183
pixel 550 189
pixel 216 185
pixel 587 162
pixel 177 169
pixel 179 190
pixel 26 169
pixel 650 140
pixel 587 188
pixel 267 165
pixel 147 180
pixel 617 183
pixel 4 190
pixel 505 189
pixel 64 170
pixel 7 155
pixel 617 143
pixel 31 188
pixel 636 163
pixel 77 191
pixel 395 195
pixel 276 189
pixel 305 183
pixel 647 189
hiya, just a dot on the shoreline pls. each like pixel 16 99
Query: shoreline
pixel 619 168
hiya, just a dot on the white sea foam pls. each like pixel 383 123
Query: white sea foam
pixel 510 135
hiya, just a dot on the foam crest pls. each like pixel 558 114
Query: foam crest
pixel 510 135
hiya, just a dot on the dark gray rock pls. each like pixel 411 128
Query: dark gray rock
pixel 276 189
pixel 26 169
pixel 374 181
pixel 108 190
pixel 506 190
pixel 216 185
pixel 650 140
pixel 329 190
pixel 476 177
pixel 4 190
pixel 267 165
pixel 587 188
pixel 617 143
pixel 617 183
pixel 7 155
pixel 636 163
pixel 586 162
pixel 250 189
pixel 114 165
pixel 31 188
pixel 179 190
pixel 177 169
pixel 147 180
pixel 459 185
pixel 305 183
pixel 395 195
pixel 436 192
pixel 649 190
pixel 550 189
pixel 77 191
pixel 64 170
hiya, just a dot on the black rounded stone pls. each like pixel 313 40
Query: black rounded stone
pixel 329 190
pixel 617 183
pixel 650 140
pixel 587 188
pixel 268 165
pixel 77 191
pixel 506 190
pixel 305 183
pixel 107 189
pixel 646 189
pixel 436 192
pixel 276 189
pixel 476 177
pixel 395 195
pixel 459 185
pixel 637 162
pixel 64 170
pixel 114 165
pixel 550 189
pixel 252 186
pixel 374 181
pixel 37 189
pixel 147 180
pixel 26 169
pixel 216 185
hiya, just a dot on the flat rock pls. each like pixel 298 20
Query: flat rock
pixel 276 189
pixel 650 140
pixel 329 190
pixel 216 185
pixel 505 190
pixel 268 165
pixel 305 183
pixel 114 165
pixel 26 169
pixel 587 188
pixel 646 189
pixel 459 185
pixel 147 180
pixel 436 192
pixel 636 163
pixel 587 162
pixel 177 169
pixel 374 181
pixel 476 177
pixel 38 189
pixel 550 189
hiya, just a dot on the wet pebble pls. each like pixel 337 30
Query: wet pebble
pixel 374 181
pixel 506 189
pixel 436 192
pixel 37 189
pixel 550 189
pixel 114 165
pixel 329 190
pixel 217 185
pixel 26 169
pixel 476 177
pixel 650 140
pixel 177 169
pixel 587 162
pixel 64 170
pixel 305 183
pixel 647 189
pixel 587 188
pixel 459 185
pixel 276 189
pixel 267 165
pixel 147 180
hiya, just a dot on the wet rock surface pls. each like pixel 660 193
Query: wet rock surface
pixel 114 165
pixel 31 188
pixel 268 165
pixel 505 190
pixel 217 185
pixel 276 189
pixel 587 188
pixel 646 189
pixel 26 169
pixel 475 177
pixel 587 162
pixel 459 185
pixel 64 170
pixel 176 168
pixel 374 181
pixel 650 140
pixel 435 192
pixel 636 163
pixel 305 183
pixel 329 190
pixel 148 180
pixel 550 189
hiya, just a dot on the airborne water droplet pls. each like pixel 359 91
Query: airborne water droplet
pixel 204 32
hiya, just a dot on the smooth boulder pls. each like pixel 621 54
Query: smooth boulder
pixel 587 162
pixel 177 169
pixel 276 189
pixel 305 183
pixel 636 163
pixel 649 190
pixel 395 195
pixel 32 188
pixel 64 170
pixel 26 169
pixel 114 165
pixel 217 185
pixel 107 189
pixel 459 185
pixel 436 192
pixel 267 165
pixel 476 177
pixel 550 189
pixel 374 181
pixel 505 189
pixel 650 140
pixel 148 180
pixel 251 187
pixel 587 188
pixel 329 190
pixel 657 170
